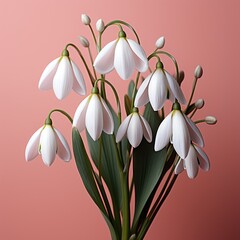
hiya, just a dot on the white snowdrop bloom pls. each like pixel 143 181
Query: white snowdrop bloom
pixel 134 127
pixel 62 75
pixel 94 114
pixel 124 55
pixel 196 158
pixel 47 141
pixel 157 87
pixel 179 130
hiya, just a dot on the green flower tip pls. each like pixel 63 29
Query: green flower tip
pixel 65 53
pixel 95 90
pixel 48 121
pixel 159 65
pixel 122 34
pixel 135 110
pixel 176 106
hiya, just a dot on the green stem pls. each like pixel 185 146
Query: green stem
pixel 135 90
pixel 84 62
pixel 200 121
pixel 61 111
pixel 91 58
pixel 93 34
pixel 193 90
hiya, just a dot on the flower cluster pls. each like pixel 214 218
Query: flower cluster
pixel 147 141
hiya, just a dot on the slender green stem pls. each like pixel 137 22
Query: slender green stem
pixel 194 111
pixel 135 90
pixel 83 59
pixel 61 111
pixel 100 158
pixel 193 90
pixel 93 34
pixel 200 121
pixel 91 58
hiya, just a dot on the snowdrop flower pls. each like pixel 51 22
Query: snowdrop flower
pixel 135 127
pixel 196 157
pixel 47 141
pixel 122 54
pixel 160 42
pixel 178 129
pixel 94 113
pixel 63 75
pixel 157 87
pixel 100 25
pixel 85 19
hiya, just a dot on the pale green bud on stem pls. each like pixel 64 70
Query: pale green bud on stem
pixel 85 19
pixel 160 42
pixel 198 72
pixel 100 25
pixel 199 103
pixel 210 120
pixel 84 41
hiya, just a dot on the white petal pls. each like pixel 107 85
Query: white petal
pixel 164 133
pixel 46 80
pixel 108 124
pixel 63 79
pixel 104 61
pixel 179 167
pixel 142 93
pixel 203 159
pixel 157 90
pixel 48 145
pixel 33 144
pixel 147 132
pixel 180 134
pixel 78 83
pixel 122 130
pixel 140 58
pixel 80 114
pixel 135 131
pixel 195 134
pixel 123 59
pixel 94 117
pixel 63 150
pixel 175 88
pixel 191 163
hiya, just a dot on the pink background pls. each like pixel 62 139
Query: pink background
pixel 37 202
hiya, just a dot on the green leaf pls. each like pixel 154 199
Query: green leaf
pixel 85 170
pixel 147 166
pixel 130 88
pixel 127 104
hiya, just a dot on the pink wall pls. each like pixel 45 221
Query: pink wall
pixel 37 202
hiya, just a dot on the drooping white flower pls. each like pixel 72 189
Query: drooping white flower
pixel 94 114
pixel 157 87
pixel 196 158
pixel 179 130
pixel 122 54
pixel 62 75
pixel 134 127
pixel 47 141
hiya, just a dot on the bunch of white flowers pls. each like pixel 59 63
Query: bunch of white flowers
pixel 175 138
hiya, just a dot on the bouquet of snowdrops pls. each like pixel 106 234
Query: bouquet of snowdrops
pixel 140 155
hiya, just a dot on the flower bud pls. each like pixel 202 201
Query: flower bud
pixel 160 42
pixel 181 77
pixel 199 103
pixel 84 41
pixel 210 120
pixel 198 72
pixel 100 25
pixel 85 19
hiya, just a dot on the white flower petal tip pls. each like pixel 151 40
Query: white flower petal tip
pixel 47 141
pixel 134 127
pixel 155 88
pixel 62 75
pixel 94 115
pixel 122 54
pixel 196 158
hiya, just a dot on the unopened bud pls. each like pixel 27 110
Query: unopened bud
pixel 199 103
pixel 84 41
pixel 210 120
pixel 100 25
pixel 160 42
pixel 198 72
pixel 181 77
pixel 85 19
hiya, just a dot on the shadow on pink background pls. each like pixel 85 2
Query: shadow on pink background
pixel 37 202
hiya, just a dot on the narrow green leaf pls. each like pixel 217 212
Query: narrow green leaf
pixel 147 166
pixel 130 88
pixel 85 170
pixel 127 104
